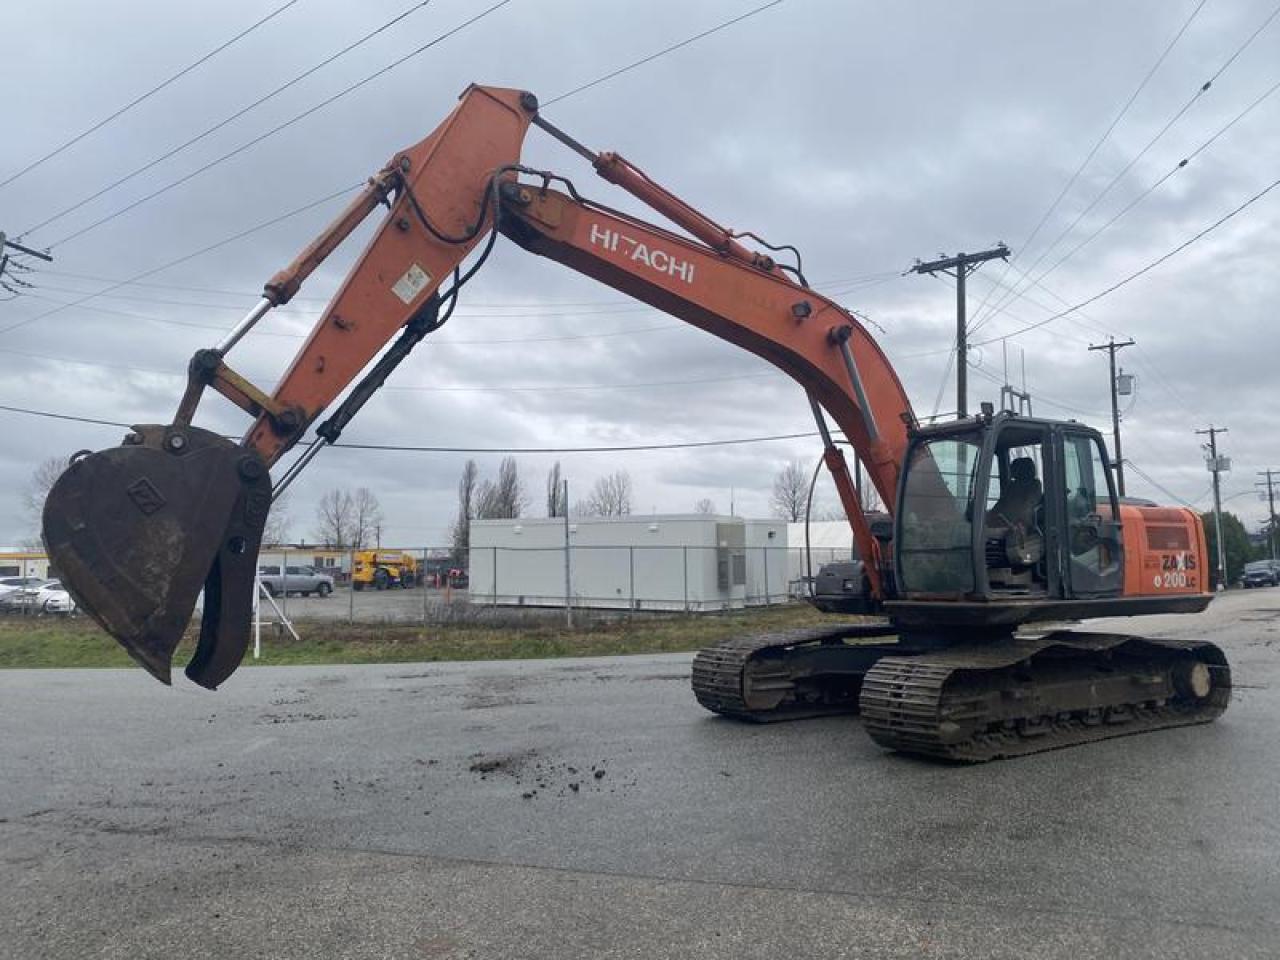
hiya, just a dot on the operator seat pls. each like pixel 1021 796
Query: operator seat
pixel 1019 497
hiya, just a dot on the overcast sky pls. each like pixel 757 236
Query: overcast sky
pixel 867 134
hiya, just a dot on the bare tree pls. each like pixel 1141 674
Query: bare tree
pixel 556 505
pixel 504 498
pixel 705 506
pixel 278 522
pixel 334 516
pixel 366 519
pixel 611 495
pixel 36 492
pixel 790 491
pixel 466 511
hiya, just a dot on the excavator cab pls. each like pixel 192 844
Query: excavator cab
pixel 1002 507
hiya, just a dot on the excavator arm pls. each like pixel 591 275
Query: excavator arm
pixel 137 530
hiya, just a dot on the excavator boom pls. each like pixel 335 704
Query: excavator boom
pixel 139 530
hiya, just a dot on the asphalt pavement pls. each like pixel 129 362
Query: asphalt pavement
pixel 590 808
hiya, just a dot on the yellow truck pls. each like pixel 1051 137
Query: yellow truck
pixel 383 569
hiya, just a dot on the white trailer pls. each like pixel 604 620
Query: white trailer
pixel 666 562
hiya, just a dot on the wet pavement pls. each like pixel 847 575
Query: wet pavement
pixel 589 808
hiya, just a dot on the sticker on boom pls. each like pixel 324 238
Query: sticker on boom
pixel 411 284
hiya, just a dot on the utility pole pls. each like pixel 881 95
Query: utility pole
pixel 1111 346
pixel 7 244
pixel 1216 466
pixel 1272 478
pixel 960 266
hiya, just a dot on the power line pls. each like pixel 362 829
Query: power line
pixel 1137 273
pixel 1039 397
pixel 1165 490
pixel 378 73
pixel 324 199
pixel 550 314
pixel 313 313
pixel 229 119
pixel 864 281
pixel 410 388
pixel 1200 92
pixel 281 126
pixel 1136 200
pixel 661 53
pixel 689 445
pixel 1106 134
pixel 190 256
pixel 150 93
pixel 485 341
pixel 65 416
pixel 442 341
pixel 1031 300
pixel 1083 320
pixel 1156 184
pixel 1149 364
pixel 406 448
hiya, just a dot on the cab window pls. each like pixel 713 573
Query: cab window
pixel 1013 524
pixel 936 542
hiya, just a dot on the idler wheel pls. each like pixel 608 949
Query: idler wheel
pixel 1192 679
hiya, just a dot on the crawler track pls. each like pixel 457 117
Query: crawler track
pixel 789 675
pixel 978 703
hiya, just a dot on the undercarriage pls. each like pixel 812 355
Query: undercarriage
pixel 998 695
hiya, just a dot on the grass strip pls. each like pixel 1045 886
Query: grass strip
pixel 51 642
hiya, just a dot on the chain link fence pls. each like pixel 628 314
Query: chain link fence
pixel 498 582
pixel 501 584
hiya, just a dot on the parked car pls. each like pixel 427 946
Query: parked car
pixel 303 580
pixel 54 598
pixel 11 585
pixel 42 596
pixel 1260 573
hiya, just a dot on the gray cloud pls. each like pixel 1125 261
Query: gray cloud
pixel 866 134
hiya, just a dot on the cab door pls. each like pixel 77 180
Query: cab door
pixel 1092 546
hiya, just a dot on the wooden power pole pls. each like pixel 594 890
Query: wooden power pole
pixel 960 266
pixel 1111 346
pixel 1270 479
pixel 1217 465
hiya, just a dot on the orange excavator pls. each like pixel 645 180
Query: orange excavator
pixel 999 522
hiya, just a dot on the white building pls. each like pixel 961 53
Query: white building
pixel 668 562
pixel 19 562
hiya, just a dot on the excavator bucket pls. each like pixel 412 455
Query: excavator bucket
pixel 137 531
